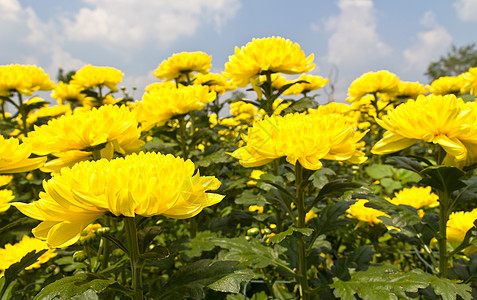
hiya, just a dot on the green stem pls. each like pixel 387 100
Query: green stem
pixel 106 246
pixel 134 256
pixel 183 137
pixel 23 115
pixel 300 203
pixel 443 217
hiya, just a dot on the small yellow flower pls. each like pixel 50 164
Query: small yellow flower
pixel 314 83
pixel 417 197
pixel 64 92
pixel 365 214
pixel 274 55
pixel 255 208
pixel 300 137
pixel 14 157
pixel 183 64
pixel 145 184
pixel 459 223
pixel 216 82
pixel 11 254
pixel 255 175
pixel 310 215
pixel 373 82
pixel 5 179
pixel 446 85
pixel 23 79
pixel 469 81
pixel 5 197
pixel 97 77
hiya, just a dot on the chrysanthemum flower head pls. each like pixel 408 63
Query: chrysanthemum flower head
pixel 182 64
pixel 94 77
pixel 459 223
pixel 417 197
pixel 145 184
pixel 14 157
pixel 273 54
pixel 64 92
pixel 11 254
pixel 72 138
pixel 300 137
pixel 446 85
pixel 469 81
pixel 5 197
pixel 406 90
pixel 162 101
pixel 373 82
pixel 216 82
pixel 444 120
pixel 24 79
pixel 314 83
pixel 365 214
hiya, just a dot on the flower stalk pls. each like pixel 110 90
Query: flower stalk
pixel 134 256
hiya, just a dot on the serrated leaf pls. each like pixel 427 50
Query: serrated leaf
pixel 320 177
pixel 231 283
pixel 249 198
pixel 390 185
pixel 214 158
pixel 190 280
pixel 378 171
pixel 202 242
pixel 277 238
pixel 387 282
pixel 79 285
pixel 252 252
pixel 443 178
pixel 330 218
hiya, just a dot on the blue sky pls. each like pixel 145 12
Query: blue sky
pixel 351 36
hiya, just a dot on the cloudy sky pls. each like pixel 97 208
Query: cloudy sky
pixel 347 37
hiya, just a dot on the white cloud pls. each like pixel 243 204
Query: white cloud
pixel 429 44
pixel 10 9
pixel 354 40
pixel 466 9
pixel 128 24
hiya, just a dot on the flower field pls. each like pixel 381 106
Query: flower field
pixel 193 191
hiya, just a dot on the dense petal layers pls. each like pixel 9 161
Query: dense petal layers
pixel 312 83
pixel 300 137
pixel 459 223
pixel 183 64
pixel 275 54
pixel 93 77
pixel 373 82
pixel 417 197
pixel 24 79
pixel 365 214
pixel 469 81
pixel 14 156
pixel 144 184
pixel 162 101
pixel 71 138
pixel 444 120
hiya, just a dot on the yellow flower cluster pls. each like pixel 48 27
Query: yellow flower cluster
pixel 469 79
pixel 274 55
pixel 181 65
pixel 14 157
pixel 373 82
pixel 216 82
pixel 300 137
pixel 11 254
pixel 145 184
pixel 446 85
pixel 444 120
pixel 162 101
pixel 313 83
pixel 64 92
pixel 97 77
pixel 23 79
pixel 72 138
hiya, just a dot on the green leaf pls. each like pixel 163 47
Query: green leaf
pixel 158 252
pixel 377 171
pixel 231 283
pixel 387 282
pixel 202 242
pixel 402 162
pixel 320 177
pixel 443 178
pixel 390 185
pixel 249 198
pixel 26 261
pixel 146 235
pixel 401 215
pixel 277 238
pixel 214 158
pixel 337 188
pixel 190 280
pixel 330 218
pixel 251 252
pixel 80 286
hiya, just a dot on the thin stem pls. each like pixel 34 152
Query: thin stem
pixel 442 238
pixel 133 251
pixel 183 137
pixel 23 115
pixel 300 203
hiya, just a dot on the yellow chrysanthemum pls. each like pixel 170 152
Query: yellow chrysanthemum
pixel 314 83
pixel 446 85
pixel 14 157
pixel 459 223
pixel 145 184
pixel 255 175
pixel 5 197
pixel 183 64
pixel 24 79
pixel 64 92
pixel 162 101
pixel 5 179
pixel 49 111
pixel 94 77
pixel 417 197
pixel 241 110
pixel 216 82
pixel 365 214
pixel 275 55
pixel 406 90
pixel 11 254
pixel 300 137
pixel 72 138
pixel 444 120
pixel 373 82
pixel 469 81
